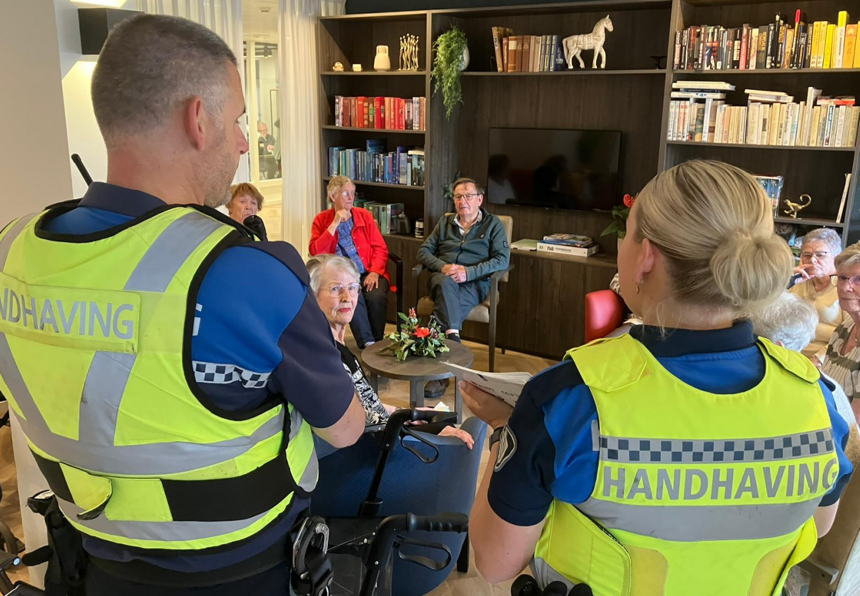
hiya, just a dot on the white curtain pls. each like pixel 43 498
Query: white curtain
pixel 333 8
pixel 300 115
pixel 224 17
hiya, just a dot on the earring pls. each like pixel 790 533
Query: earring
pixel 638 287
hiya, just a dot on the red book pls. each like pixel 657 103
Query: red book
pixel 745 40
pixel 359 112
pixel 423 114
pixel 402 112
pixel 377 112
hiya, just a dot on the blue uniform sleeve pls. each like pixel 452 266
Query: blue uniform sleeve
pixel 545 454
pixel 840 442
pixel 259 331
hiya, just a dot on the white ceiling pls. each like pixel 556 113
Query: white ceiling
pixel 257 24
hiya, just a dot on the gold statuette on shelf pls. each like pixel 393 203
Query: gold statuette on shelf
pixel 408 52
pixel 794 208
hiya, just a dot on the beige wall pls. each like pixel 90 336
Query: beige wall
pixel 34 152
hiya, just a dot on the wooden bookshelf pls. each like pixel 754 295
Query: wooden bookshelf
pixel 373 130
pixel 762 147
pixel 382 184
pixel 588 72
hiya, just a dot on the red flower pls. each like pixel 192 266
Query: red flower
pixel 412 314
pixel 422 332
pixel 628 201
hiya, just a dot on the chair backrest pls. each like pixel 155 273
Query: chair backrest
pixel 408 486
pixel 840 548
pixel 604 312
pixel 508 223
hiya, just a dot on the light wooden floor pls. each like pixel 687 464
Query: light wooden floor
pixel 392 392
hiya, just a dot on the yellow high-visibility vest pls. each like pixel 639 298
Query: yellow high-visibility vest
pixel 95 358
pixel 697 494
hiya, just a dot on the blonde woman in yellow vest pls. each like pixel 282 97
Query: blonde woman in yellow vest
pixel 167 370
pixel 688 458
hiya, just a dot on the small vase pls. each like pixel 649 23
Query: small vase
pixel 464 59
pixel 382 62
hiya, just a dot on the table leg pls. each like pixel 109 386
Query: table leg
pixel 416 394
pixel 458 401
pixel 373 379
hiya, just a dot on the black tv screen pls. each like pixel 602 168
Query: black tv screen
pixel 561 169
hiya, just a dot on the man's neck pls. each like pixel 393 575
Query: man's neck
pixel 468 222
pixel 154 177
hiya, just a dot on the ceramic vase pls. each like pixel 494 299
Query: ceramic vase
pixel 382 62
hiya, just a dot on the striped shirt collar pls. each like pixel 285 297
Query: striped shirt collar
pixel 477 221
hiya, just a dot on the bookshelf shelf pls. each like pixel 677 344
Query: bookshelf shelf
pixel 373 73
pixel 766 147
pixel 808 222
pixel 381 184
pixel 767 71
pixel 634 71
pixel 374 130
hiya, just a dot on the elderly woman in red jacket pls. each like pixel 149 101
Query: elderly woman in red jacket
pixel 350 232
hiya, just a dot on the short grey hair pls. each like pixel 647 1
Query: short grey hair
pixel 789 320
pixel 152 64
pixel 849 257
pixel 826 235
pixel 464 180
pixel 322 264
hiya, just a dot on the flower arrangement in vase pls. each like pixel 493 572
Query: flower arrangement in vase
pixel 619 218
pixel 415 339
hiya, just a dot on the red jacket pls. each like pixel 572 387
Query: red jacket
pixel 368 240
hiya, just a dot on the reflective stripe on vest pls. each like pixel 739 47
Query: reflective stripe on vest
pixel 696 493
pixel 129 449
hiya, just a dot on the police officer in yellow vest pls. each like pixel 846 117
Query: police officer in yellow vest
pixel 688 458
pixel 167 370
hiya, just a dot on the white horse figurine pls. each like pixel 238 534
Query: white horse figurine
pixel 574 44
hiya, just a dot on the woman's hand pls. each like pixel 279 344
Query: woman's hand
pixel 488 408
pixel 450 431
pixel 371 282
pixel 802 271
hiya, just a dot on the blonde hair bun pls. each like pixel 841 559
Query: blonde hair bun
pixel 749 269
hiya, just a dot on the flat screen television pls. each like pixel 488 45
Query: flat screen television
pixel 560 169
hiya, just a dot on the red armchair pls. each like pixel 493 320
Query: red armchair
pixel 604 312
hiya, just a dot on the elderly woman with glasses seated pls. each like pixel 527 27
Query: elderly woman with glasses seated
pixel 817 285
pixel 335 284
pixel 842 359
pixel 349 231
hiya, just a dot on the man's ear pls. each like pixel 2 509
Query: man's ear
pixel 196 128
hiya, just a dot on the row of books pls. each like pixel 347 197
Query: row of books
pixel 569 245
pixel 527 53
pixel 374 164
pixel 392 113
pixel 776 45
pixel 384 214
pixel 769 118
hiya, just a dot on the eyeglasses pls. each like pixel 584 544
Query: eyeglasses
pixel 337 290
pixel 807 256
pixel 854 280
pixel 468 197
pixel 347 193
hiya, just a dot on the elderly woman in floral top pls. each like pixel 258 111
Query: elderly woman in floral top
pixel 335 283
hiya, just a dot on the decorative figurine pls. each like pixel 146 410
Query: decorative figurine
pixel 338 67
pixel 574 44
pixel 382 62
pixel 794 208
pixel 408 52
pixel 356 68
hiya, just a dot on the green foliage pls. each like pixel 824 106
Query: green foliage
pixel 618 226
pixel 415 339
pixel 446 67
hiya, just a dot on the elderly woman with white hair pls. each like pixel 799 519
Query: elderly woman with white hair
pixel 335 283
pixel 791 322
pixel 818 286
pixel 842 359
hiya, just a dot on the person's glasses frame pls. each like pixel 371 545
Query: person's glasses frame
pixel 854 280
pixel 466 197
pixel 353 289
pixel 807 256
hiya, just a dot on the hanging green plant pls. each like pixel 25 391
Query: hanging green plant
pixel 451 51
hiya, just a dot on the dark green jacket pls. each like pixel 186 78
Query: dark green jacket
pixel 483 251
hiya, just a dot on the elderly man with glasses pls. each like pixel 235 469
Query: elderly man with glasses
pixel 463 251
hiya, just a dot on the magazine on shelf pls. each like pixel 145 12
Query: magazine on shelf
pixel 505 386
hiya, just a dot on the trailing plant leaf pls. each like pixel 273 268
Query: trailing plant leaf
pixel 449 49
